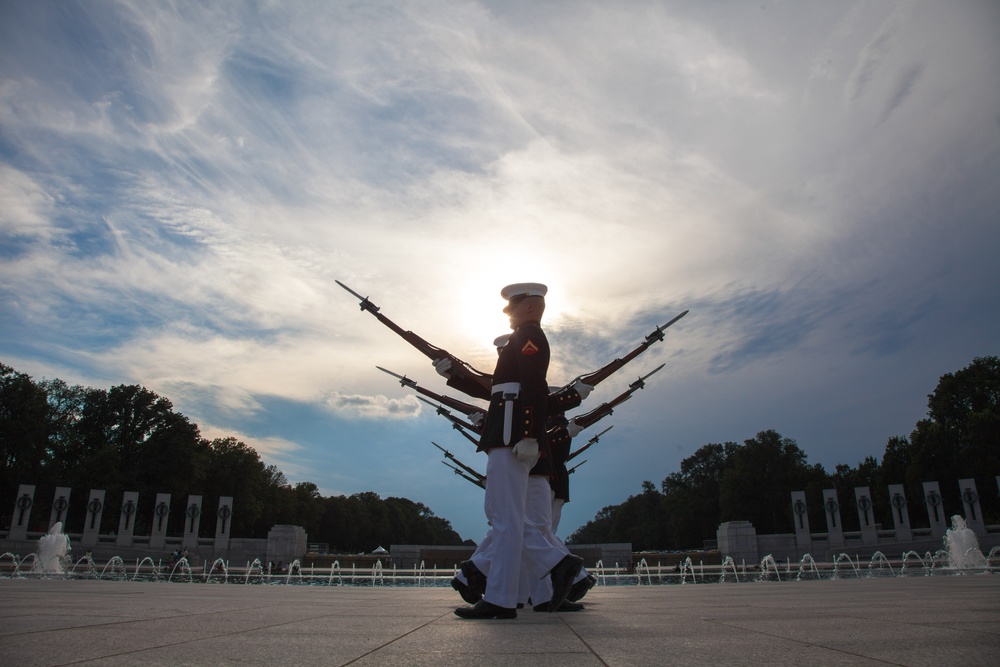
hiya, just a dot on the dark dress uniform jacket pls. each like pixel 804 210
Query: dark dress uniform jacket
pixel 559 446
pixel 519 405
pixel 559 402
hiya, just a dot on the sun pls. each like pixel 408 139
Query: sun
pixel 481 318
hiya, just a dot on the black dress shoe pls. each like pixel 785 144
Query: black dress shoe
pixel 565 606
pixel 563 575
pixel 476 579
pixel 485 610
pixel 463 590
pixel 581 587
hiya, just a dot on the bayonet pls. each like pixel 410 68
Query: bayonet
pixel 641 382
pixel 604 373
pixel 366 304
pixel 469 469
pixel 590 443
pixel 481 483
pixel 403 380
pixel 605 409
pixel 465 408
pixel 459 425
pixel 573 469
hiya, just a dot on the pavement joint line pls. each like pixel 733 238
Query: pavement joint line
pixel 128 621
pixel 229 634
pixel 584 642
pixel 853 654
pixel 396 639
pixel 178 643
pixel 916 624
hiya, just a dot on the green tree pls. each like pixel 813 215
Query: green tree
pixel 130 439
pixel 757 488
pixel 639 520
pixel 25 431
pixel 846 479
pixel 959 437
pixel 691 496
pixel 235 469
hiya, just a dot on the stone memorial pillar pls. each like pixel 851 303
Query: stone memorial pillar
pixel 935 509
pixel 800 515
pixel 22 512
pixel 866 517
pixel 970 503
pixel 60 503
pixel 834 528
pixel 900 514
pixel 161 512
pixel 223 524
pixel 192 522
pixel 126 522
pixel 739 540
pixel 92 524
pixel 286 543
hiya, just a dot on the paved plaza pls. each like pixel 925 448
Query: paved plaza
pixel 917 620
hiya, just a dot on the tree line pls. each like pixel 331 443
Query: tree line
pixel 128 438
pixel 753 481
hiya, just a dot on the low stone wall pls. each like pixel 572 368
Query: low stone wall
pixel 744 545
pixel 410 556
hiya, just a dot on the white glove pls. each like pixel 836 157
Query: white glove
pixel 582 389
pixel 477 419
pixel 573 428
pixel 443 366
pixel 527 450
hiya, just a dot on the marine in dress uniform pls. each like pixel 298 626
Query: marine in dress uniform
pixel 546 476
pixel 560 443
pixel 514 437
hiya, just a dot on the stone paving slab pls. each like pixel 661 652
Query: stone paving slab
pixel 938 620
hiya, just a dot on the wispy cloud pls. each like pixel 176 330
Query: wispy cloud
pixel 373 407
pixel 180 186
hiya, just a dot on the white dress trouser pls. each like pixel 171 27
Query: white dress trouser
pixel 538 513
pixel 515 542
pixel 557 505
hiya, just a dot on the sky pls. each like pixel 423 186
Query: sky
pixel 181 183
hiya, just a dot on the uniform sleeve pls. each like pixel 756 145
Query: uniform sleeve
pixel 565 399
pixel 469 386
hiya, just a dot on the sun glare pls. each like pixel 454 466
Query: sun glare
pixel 481 314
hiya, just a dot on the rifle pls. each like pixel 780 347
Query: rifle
pixel 590 443
pixel 456 423
pixel 605 409
pixel 458 367
pixel 605 372
pixel 465 408
pixel 573 469
pixel 481 483
pixel 470 470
